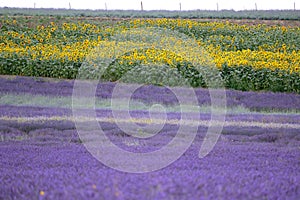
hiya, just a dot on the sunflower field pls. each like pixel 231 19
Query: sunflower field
pixel 248 57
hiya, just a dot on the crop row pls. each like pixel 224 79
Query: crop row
pixel 257 57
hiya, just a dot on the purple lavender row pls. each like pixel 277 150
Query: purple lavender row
pixel 66 131
pixel 31 111
pixel 239 170
pixel 150 94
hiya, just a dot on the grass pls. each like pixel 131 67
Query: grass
pixel 66 102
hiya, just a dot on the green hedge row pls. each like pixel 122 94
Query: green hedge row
pixel 240 78
pixel 193 14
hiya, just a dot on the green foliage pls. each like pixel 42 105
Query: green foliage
pixel 40 68
pixel 246 78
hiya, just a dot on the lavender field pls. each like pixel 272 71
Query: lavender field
pixel 257 155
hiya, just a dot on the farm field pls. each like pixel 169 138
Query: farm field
pixel 42 156
pixel 248 57
pixel 134 76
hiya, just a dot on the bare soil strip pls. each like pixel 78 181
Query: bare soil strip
pixel 202 123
